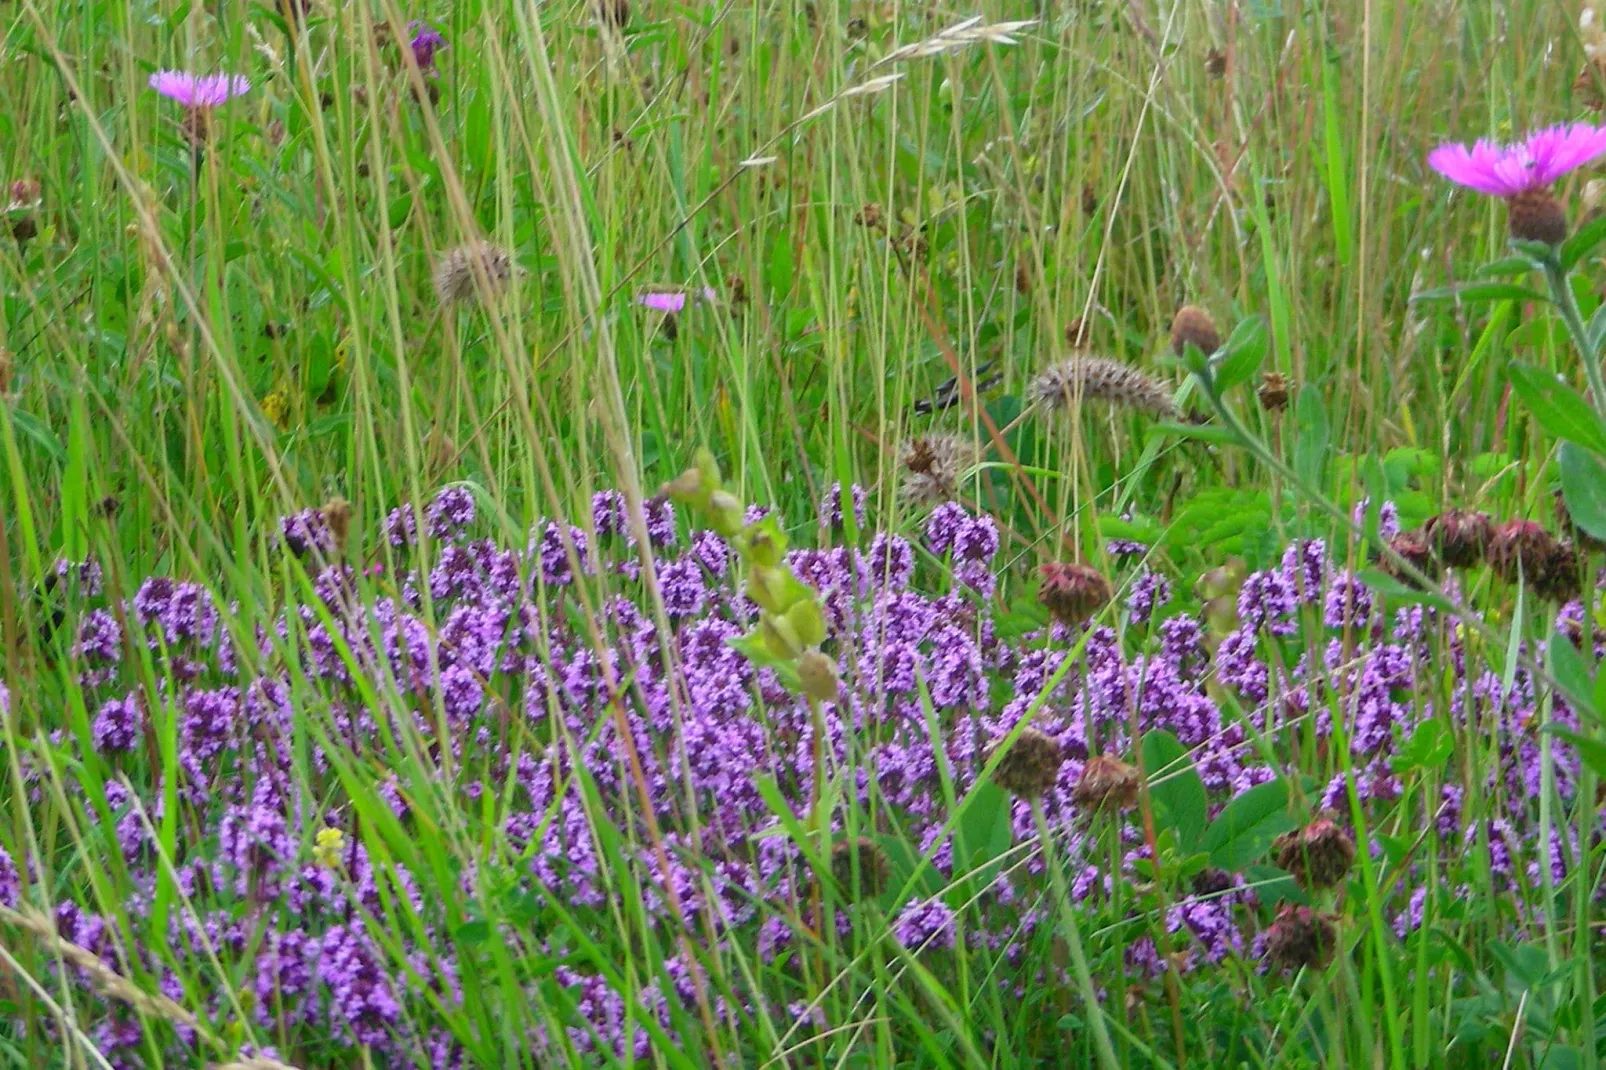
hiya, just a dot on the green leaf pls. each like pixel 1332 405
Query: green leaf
pixel 1592 752
pixel 779 271
pixel 1578 246
pixel 1247 826
pixel 985 833
pixel 473 932
pixel 1241 357
pixel 1506 267
pixel 1310 451
pixel 1220 436
pixel 1144 531
pixel 1583 487
pixel 1429 747
pixel 1557 407
pixel 1573 671
pixel 1481 291
pixel 1175 788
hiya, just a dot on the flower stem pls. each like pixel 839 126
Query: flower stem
pixel 1562 293
pixel 1073 941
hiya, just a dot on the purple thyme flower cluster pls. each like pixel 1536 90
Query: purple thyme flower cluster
pixel 500 696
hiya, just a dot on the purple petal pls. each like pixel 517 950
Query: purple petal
pixel 1564 148
pixel 663 302
pixel 1481 169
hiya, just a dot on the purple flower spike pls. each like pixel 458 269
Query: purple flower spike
pixel 1507 170
pixel 200 91
pixel 426 42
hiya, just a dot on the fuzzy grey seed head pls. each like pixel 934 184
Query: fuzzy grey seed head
pixel 460 273
pixel 931 466
pixel 1081 379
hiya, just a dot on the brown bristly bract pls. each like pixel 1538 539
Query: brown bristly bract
pixel 1301 937
pixel 932 465
pixel 1273 392
pixel 1460 537
pixel 1106 783
pixel 1072 591
pixel 1417 551
pixel 457 271
pixel 1522 548
pixel 1031 765
pixel 1080 379
pixel 1319 855
pixel 1536 215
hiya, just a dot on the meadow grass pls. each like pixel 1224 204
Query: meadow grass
pixel 206 333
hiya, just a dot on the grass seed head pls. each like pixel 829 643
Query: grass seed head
pixel 1080 379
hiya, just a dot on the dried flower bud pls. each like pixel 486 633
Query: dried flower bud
pixel 1460 537
pixel 1534 215
pixel 932 466
pixel 865 855
pixel 1106 783
pixel 1194 325
pixel 1031 765
pixel 1300 937
pixel 1318 855
pixel 1524 549
pixel 818 674
pixel 870 216
pixel 1273 392
pixel 1215 63
pixel 1417 551
pixel 1072 591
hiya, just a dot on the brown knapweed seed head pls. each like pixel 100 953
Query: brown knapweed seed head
pixel 1106 783
pixel 1072 592
pixel 870 216
pixel 874 872
pixel 1273 392
pixel 1520 548
pixel 1029 768
pixel 932 465
pixel 1460 537
pixel 1534 215
pixel 1318 855
pixel 460 272
pixel 1081 379
pixel 1301 937
pixel 1417 551
pixel 337 514
pixel 1215 63
pixel 1193 324
pixel 1559 579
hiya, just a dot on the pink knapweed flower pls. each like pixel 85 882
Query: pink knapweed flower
pixel 663 302
pixel 199 90
pixel 1522 172
pixel 426 42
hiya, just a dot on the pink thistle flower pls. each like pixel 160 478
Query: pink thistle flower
pixel 1521 173
pixel 663 302
pixel 199 91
